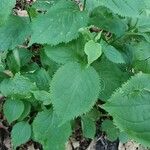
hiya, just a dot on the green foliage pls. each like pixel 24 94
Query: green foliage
pixel 111 76
pixel 111 131
pixel 46 130
pixel 103 18
pixel 67 22
pixel 88 127
pixel 93 51
pixel 126 7
pixel 42 96
pixel 78 90
pixel 88 123
pixel 9 37
pixel 129 107
pixel 21 133
pixel 27 109
pixel 141 56
pixel 112 53
pixel 6 9
pixel 13 109
pixel 61 53
pixel 18 58
pixel 40 77
pixel 17 86
pixel 64 60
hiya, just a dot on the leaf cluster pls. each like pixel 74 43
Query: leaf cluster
pixel 62 60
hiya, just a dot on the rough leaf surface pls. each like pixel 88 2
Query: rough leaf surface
pixel 113 54
pixel 126 7
pixel 17 86
pixel 74 92
pixel 61 53
pixel 42 96
pixel 112 77
pixel 47 131
pixel 21 133
pixel 6 9
pixel 130 106
pixel 60 24
pixel 13 109
pixel 14 32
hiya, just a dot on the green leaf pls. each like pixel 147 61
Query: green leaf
pixel 93 114
pixel 110 129
pixel 20 133
pixel 112 53
pixel 42 96
pixel 48 63
pixel 46 130
pixel 13 62
pixel 43 5
pixel 90 5
pixel 27 109
pixel 13 109
pixel 93 51
pixel 89 123
pixel 123 137
pixel 88 127
pixel 18 58
pixel 104 19
pixel 17 86
pixel 112 77
pixel 6 7
pixel 74 90
pixel 126 7
pixel 141 56
pixel 30 68
pixel 60 24
pixel 14 32
pixel 41 78
pixel 141 50
pixel 130 108
pixel 61 53
pixel 143 24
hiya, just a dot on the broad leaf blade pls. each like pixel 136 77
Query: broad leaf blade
pixel 126 7
pixel 130 108
pixel 14 32
pixel 6 7
pixel 60 24
pixel 112 77
pixel 74 90
pixel 141 56
pixel 17 86
pixel 41 78
pixel 112 53
pixel 47 131
pixel 21 133
pixel 27 109
pixel 61 53
pixel 42 96
pixel 104 19
pixel 18 58
pixel 13 109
